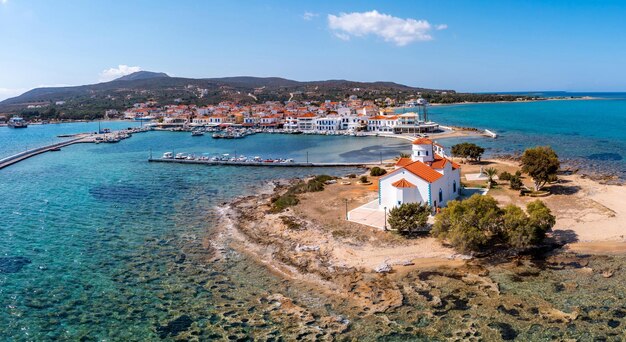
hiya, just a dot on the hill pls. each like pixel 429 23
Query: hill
pixel 142 75
pixel 90 101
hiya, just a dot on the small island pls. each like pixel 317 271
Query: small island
pixel 512 216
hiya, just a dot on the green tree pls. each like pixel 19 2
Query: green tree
pixel 409 218
pixel 542 164
pixel 540 215
pixel 467 151
pixel 523 231
pixel 518 232
pixel 491 173
pixel 469 225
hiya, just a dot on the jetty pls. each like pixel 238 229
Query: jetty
pixel 255 164
pixel 490 134
pixel 16 158
pixel 110 137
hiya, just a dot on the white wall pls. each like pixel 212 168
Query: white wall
pixel 388 193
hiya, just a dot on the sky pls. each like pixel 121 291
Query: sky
pixel 472 46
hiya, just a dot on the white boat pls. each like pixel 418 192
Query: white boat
pixel 17 122
pixel 168 155
pixel 197 133
pixel 180 156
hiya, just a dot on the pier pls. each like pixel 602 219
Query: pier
pixel 16 158
pixel 256 164
pixel 96 138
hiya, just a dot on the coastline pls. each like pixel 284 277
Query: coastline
pixel 582 98
pixel 590 219
pixel 312 246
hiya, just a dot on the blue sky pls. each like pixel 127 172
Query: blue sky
pixel 462 45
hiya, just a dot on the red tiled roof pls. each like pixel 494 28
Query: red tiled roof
pixel 403 162
pixel 422 141
pixel 403 183
pixel 439 162
pixel 423 171
pixel 419 169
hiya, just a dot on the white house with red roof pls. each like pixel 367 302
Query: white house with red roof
pixel 428 176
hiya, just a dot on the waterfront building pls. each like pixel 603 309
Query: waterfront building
pixel 306 122
pixel 328 123
pixel 425 177
pixel 382 123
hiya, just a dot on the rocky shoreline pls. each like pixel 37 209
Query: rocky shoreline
pixel 428 297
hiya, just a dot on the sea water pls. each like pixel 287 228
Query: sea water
pixel 96 243
pixel 589 133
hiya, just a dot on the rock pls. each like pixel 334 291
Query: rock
pixel 608 273
pixel 305 248
pixel 13 264
pixel 175 327
pixel 558 316
pixel 383 268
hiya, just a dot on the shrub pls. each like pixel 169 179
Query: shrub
pixel 505 176
pixel 282 202
pixel 377 171
pixel 363 179
pixel 516 182
pixel 352 175
pixel 314 185
pixel 478 224
pixel 518 173
pixel 409 218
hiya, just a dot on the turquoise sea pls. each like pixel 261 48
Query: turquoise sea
pixel 98 244
pixel 590 134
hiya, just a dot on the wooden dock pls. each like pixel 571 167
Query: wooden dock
pixel 256 164
pixel 16 158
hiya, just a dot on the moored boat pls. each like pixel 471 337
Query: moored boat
pixel 17 122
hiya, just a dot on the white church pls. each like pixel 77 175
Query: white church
pixel 426 177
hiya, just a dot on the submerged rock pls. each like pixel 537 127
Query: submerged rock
pixel 13 264
pixel 506 330
pixel 175 327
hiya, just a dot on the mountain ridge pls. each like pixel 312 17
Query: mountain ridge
pixel 146 80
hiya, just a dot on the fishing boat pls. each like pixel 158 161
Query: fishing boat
pixel 197 133
pixel 168 155
pixel 17 122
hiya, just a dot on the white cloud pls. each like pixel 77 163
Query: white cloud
pixel 392 29
pixel 309 15
pixel 441 27
pixel 121 70
pixel 4 1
